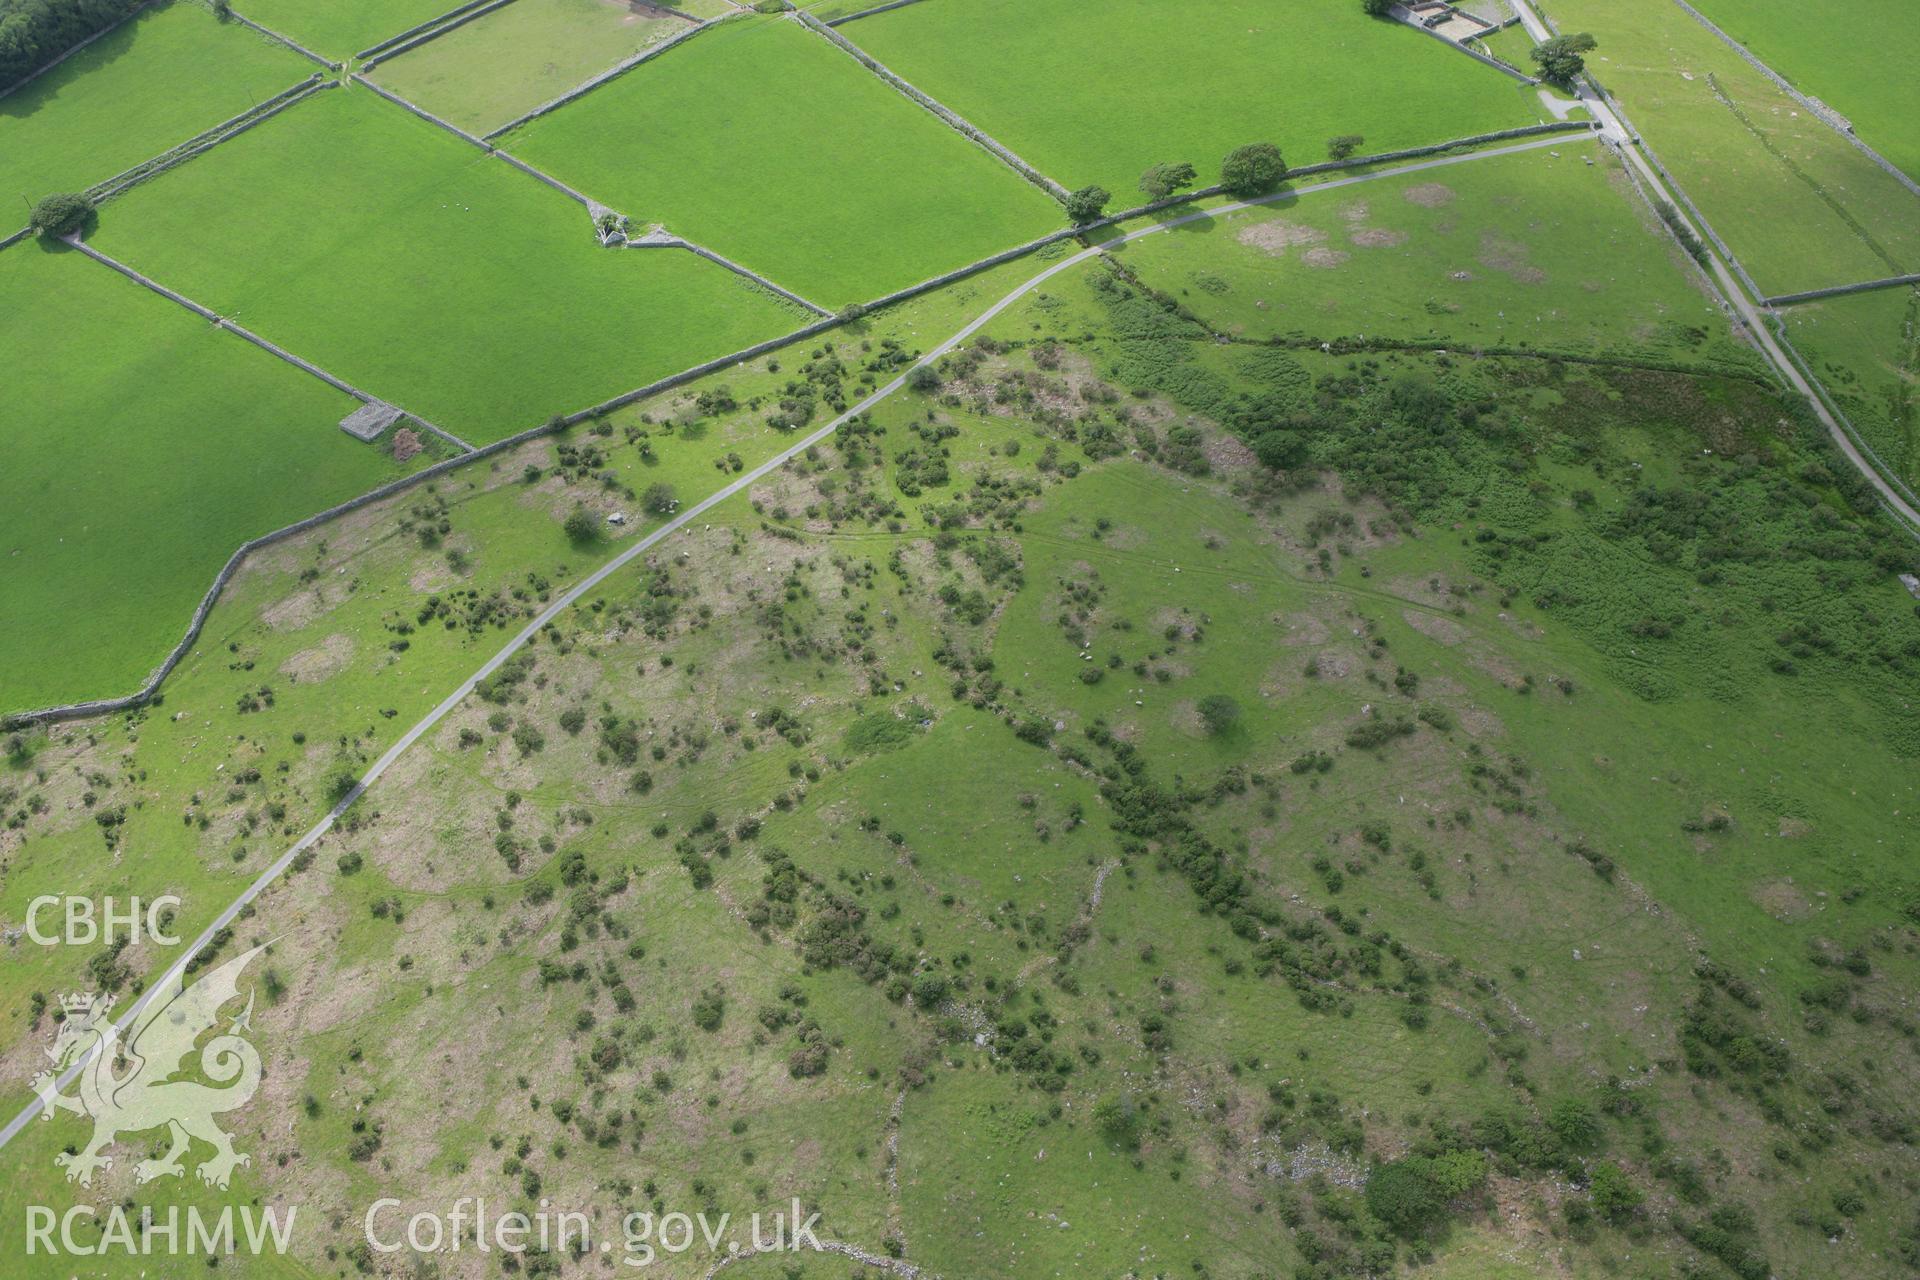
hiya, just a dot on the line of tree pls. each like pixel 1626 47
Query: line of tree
pixel 34 32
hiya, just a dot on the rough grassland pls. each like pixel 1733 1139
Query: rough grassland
pixel 808 169
pixel 1859 60
pixel 426 272
pixel 516 58
pixel 1497 972
pixel 1538 249
pixel 143 446
pixel 1794 200
pixel 1096 93
pixel 157 81
pixel 341 28
pixel 1866 351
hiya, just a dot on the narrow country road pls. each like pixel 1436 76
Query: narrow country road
pixel 174 976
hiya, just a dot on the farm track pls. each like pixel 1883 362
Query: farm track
pixel 175 974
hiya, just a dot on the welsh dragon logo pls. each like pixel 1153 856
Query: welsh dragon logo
pixel 131 1087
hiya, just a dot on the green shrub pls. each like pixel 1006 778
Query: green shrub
pixel 1253 169
pixel 62 214
pixel 1087 204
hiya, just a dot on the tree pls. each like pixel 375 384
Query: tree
pixel 924 378
pixel 62 214
pixel 1574 1123
pixel 659 499
pixel 1614 1194
pixel 1162 180
pixel 1403 1196
pixel 1281 450
pixel 1377 8
pixel 581 526
pixel 1253 169
pixel 1218 712
pixel 1087 204
pixel 1560 59
pixel 34 32
pixel 1343 145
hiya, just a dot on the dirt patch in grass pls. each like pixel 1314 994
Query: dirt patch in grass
pixel 1509 256
pixel 1782 899
pixel 1378 238
pixel 1429 195
pixel 1491 663
pixel 303 606
pixel 1301 628
pixel 322 661
pixel 1277 235
pixel 1444 630
pixel 1336 663
pixel 1282 680
pixel 1325 258
pixel 1227 453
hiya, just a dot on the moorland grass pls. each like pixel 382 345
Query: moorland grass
pixel 960 851
pixel 810 169
pixel 158 80
pixel 1539 249
pixel 1863 349
pixel 341 28
pixel 1859 60
pixel 1798 205
pixel 505 64
pixel 145 446
pixel 427 272
pixel 1096 93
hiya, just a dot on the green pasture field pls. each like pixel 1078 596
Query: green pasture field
pixel 1096 93
pixel 1511 45
pixel 1865 349
pixel 338 29
pixel 810 170
pixel 828 10
pixel 145 447
pixel 514 59
pixel 1797 203
pixel 1538 249
pixel 1858 59
pixel 128 97
pixel 427 272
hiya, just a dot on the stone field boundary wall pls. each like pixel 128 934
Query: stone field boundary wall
pixel 225 131
pixel 891 5
pixel 275 36
pixel 449 22
pixel 612 73
pixel 374 50
pixel 953 119
pixel 1821 111
pixel 147 691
